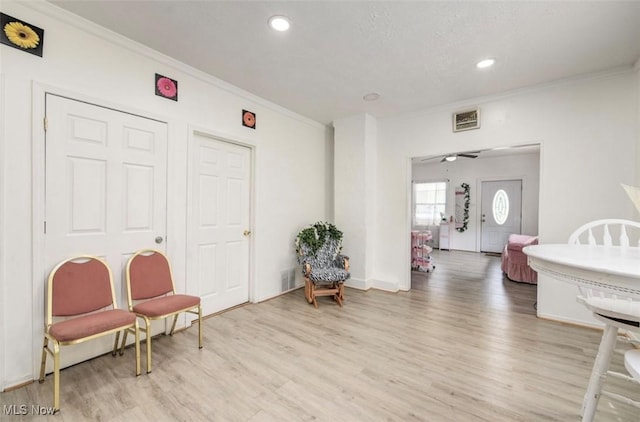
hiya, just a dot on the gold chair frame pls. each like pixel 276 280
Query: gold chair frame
pixel 55 352
pixel 147 319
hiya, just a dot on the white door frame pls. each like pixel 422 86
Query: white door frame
pixel 2 252
pixel 38 271
pixel 226 138
pixel 405 278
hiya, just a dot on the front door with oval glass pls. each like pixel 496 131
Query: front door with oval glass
pixel 501 213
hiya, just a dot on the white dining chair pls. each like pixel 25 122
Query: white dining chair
pixel 617 309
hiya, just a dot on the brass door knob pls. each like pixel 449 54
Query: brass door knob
pixel 246 232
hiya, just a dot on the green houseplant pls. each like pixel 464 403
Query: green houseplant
pixel 315 235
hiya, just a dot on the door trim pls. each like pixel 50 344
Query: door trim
pixel 3 277
pixel 194 131
pixel 38 156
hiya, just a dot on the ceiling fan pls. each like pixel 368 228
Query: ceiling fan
pixel 455 156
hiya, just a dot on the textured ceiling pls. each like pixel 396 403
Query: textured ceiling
pixel 415 54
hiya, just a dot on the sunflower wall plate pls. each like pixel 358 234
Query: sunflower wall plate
pixel 21 35
pixel 166 87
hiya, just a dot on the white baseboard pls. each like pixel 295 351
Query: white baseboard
pixel 357 283
pixel 387 286
pixel 579 322
pixel 371 283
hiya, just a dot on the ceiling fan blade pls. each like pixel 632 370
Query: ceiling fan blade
pixel 468 155
pixel 429 158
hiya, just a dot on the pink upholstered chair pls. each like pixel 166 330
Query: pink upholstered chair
pixel 514 261
pixel 151 294
pixel 81 298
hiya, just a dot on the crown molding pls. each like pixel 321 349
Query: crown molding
pixel 479 101
pixel 121 41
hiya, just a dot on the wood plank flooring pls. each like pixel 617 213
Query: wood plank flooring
pixel 463 345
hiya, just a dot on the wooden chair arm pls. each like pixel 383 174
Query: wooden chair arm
pixel 342 261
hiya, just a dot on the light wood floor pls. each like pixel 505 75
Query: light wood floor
pixel 463 345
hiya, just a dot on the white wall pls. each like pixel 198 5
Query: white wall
pixel 587 129
pixel 355 194
pixel 474 172
pixel 80 59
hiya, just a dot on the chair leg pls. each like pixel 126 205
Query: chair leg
pixel 600 367
pixel 312 294
pixel 124 342
pixel 199 327
pixel 56 376
pixel 173 325
pixel 137 346
pixel 115 343
pixel 147 330
pixel 338 295
pixel 43 363
pixel 136 333
pixel 308 290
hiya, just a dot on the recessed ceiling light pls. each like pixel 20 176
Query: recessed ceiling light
pixel 372 96
pixel 483 64
pixel 451 157
pixel 279 23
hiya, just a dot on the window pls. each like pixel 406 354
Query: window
pixel 429 200
pixel 500 207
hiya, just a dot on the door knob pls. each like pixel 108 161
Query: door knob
pixel 159 239
pixel 246 232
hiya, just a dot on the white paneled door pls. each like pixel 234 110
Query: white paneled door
pixel 219 232
pixel 501 213
pixel 106 185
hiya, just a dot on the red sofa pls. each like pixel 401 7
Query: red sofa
pixel 514 261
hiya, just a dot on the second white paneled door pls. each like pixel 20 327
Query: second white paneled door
pixel 105 190
pixel 219 214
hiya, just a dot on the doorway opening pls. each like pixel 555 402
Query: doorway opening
pixel 488 176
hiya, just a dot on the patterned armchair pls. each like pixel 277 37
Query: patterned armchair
pixel 324 270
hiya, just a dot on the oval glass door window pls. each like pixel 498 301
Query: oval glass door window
pixel 500 207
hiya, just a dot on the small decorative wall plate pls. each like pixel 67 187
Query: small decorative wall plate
pixel 248 119
pixel 21 35
pixel 166 87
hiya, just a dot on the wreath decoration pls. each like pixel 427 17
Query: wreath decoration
pixel 465 217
